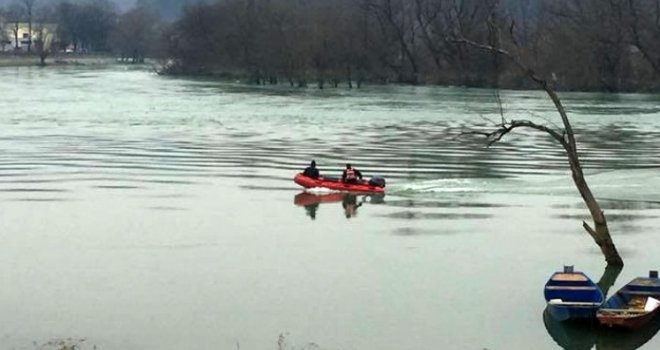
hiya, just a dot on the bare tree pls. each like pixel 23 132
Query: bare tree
pixel 4 38
pixel 134 34
pixel 593 33
pixel 437 20
pixel 85 25
pixel 586 44
pixel 644 25
pixel 395 19
pixel 28 8
pixel 14 16
pixel 564 136
pixel 44 32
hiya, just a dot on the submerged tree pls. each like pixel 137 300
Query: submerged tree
pixel 564 136
pixel 43 32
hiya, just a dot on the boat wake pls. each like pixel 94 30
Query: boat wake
pixel 615 185
pixel 455 186
pixel 438 186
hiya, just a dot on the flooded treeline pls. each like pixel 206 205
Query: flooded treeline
pixel 582 45
pixel 579 44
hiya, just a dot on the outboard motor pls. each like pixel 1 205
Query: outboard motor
pixel 377 181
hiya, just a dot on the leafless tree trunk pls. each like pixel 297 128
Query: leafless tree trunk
pixel 42 44
pixel 425 15
pixel 29 12
pixel 393 19
pixel 14 29
pixel 566 138
pixel 637 26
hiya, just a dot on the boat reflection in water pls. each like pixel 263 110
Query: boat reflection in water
pixel 579 336
pixel 350 202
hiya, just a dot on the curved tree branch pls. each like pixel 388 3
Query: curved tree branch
pixel 531 75
pixel 505 128
pixel 600 233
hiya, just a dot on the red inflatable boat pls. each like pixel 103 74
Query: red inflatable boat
pixel 336 184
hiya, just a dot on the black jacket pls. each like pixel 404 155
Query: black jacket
pixel 311 172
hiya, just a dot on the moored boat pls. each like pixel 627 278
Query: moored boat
pixel 634 305
pixel 572 295
pixel 336 184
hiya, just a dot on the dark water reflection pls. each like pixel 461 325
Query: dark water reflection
pixel 349 202
pixel 587 336
pixel 411 203
pixel 413 215
pixel 611 217
pixel 609 204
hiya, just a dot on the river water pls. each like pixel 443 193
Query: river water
pixel 144 212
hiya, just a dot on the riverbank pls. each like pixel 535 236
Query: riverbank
pixel 506 82
pixel 61 59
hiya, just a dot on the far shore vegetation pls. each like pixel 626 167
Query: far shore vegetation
pixel 586 45
pixel 58 60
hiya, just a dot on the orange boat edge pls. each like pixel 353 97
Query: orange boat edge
pixel 336 184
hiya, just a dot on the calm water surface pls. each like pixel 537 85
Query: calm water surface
pixel 142 212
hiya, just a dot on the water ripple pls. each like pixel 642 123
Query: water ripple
pixel 252 136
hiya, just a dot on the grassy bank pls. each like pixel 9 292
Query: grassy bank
pixel 24 60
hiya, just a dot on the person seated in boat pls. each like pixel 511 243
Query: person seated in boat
pixel 312 171
pixel 351 175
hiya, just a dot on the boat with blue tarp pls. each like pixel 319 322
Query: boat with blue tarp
pixel 571 295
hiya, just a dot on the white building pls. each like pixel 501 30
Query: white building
pixel 16 36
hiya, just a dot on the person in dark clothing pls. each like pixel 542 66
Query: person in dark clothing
pixel 312 171
pixel 351 175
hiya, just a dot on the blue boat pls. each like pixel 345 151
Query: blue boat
pixel 634 305
pixel 572 295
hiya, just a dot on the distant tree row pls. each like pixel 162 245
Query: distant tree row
pixel 609 45
pixel 80 26
pixel 605 45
